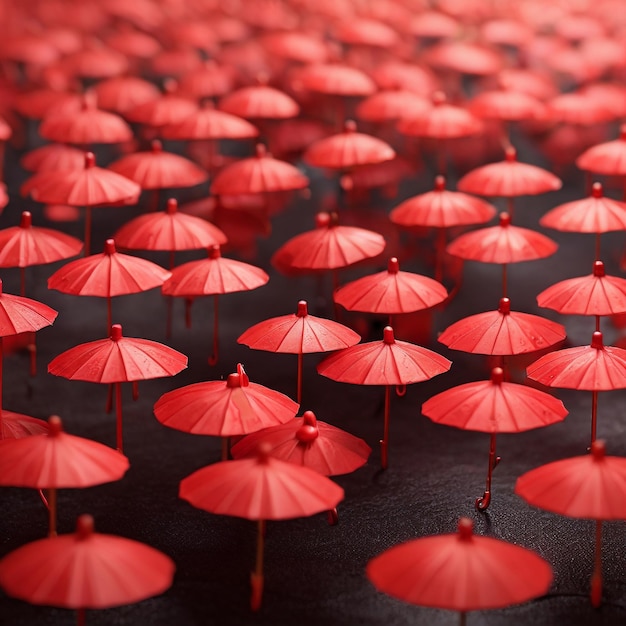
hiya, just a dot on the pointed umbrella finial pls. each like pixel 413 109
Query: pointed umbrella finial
pixel 214 252
pixel 322 220
pixel 597 341
pixel 505 219
pixel 84 527
pixel 233 381
pixel 598 269
pixel 440 183
pixel 598 449
pixel 309 430
pixel 261 150
pixel 90 160
pixel 172 206
pixel 26 220
pixel 302 309
pixel 596 190
pixel 156 146
pixel 505 306
pixel 393 266
pixel 55 426
pixel 497 375
pixel 510 154
pixel 349 126
pixel 439 98
pixel 109 247
pixel 116 332
pixel 388 337
pixel 465 529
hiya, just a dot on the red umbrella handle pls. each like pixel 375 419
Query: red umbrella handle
pixel 333 517
pixel 32 350
pixel 256 577
pixel 216 346
pixel 384 442
pixel 596 578
pixel 118 411
pixel 87 231
pixel 482 503
pixel 52 512
pixel 80 617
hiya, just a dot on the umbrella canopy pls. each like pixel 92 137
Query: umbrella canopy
pixel 328 246
pixel 462 572
pixel 441 208
pixel 298 334
pixel 310 443
pixel 392 105
pixel 506 105
pixel 258 174
pixel 85 570
pixel 260 489
pixel 57 460
pixel 170 108
pixel 53 156
pixel 22 315
pixel 335 79
pixel 348 149
pixel 502 332
pixel 607 158
pixel 589 486
pixel 391 292
pixel 387 362
pixel 16 425
pixel 260 102
pixel 123 93
pixel 118 359
pixel 158 169
pixel 108 275
pixel 224 408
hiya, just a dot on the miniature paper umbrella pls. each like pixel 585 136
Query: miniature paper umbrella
pixel 260 489
pixel 85 570
pixel 589 486
pixel 462 572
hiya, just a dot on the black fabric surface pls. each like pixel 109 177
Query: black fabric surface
pixel 315 573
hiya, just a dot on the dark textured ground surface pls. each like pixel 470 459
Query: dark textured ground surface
pixel 314 572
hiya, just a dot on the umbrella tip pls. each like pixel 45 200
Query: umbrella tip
pixel 84 526
pixel 497 375
pixel 109 246
pixel 233 380
pixel 465 528
pixel 622 132
pixel 309 430
pixel 264 451
pixel 116 332
pixel 388 335
pixel 440 183
pixel 27 219
pixel 156 145
pixel 393 266
pixel 261 150
pixel 598 269
pixel 90 160
pixel 172 205
pixel 439 97
pixel 505 219
pixel 214 251
pixel 596 190
pixel 510 154
pixel 597 341
pixel 598 449
pixel 322 220
pixel 349 126
pixel 302 309
pixel 505 306
pixel 55 426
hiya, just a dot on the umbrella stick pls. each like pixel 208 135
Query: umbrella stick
pixel 52 512
pixel 597 323
pixel 504 280
pixel 299 391
pixel 109 314
pixel 257 576
pixel 336 307
pixel 23 282
pixel 168 323
pixel 216 347
pixel 225 448
pixel 1 359
pixel 597 247
pixel 510 206
pixel 118 412
pixel 109 405
pixel 440 247
pixel 32 349
pixel 596 577
pixel 135 388
pixel 384 442
pixel 462 618
pixel 483 503
pixel 188 303
pixel 442 165
pixel 80 617
pixel 87 248
pixel 594 414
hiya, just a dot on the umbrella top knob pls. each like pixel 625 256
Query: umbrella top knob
pixel 349 126
pixel 170 85
pixel 261 151
pixel 84 527
pixel 264 451
pixel 26 220
pixel 505 306
pixel 245 381
pixel 388 337
pixel 439 98
pixel 510 154
pixel 214 251
pixel 596 190
pixel 302 309
pixel 466 529
pixel 90 160
pixel 622 132
pixel 55 426
pixel 309 430
pixel 156 146
pixel 233 381
pixel 116 332
pixel 598 449
pixel 598 269
pixel 393 266
pixel 505 219
pixel 440 183
pixel 109 247
pixel 596 340
pixel 172 206
pixel 325 219
pixel 497 375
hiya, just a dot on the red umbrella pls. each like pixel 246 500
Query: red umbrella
pixel 211 277
pixel 224 408
pixel 87 187
pixel 389 106
pixel 502 332
pixel 595 214
pixel 56 460
pixel 464 57
pixel 260 489
pixel 580 109
pixel 116 360
pixel 298 46
pixel 395 75
pixel 260 102
pixel 108 275
pixel 258 174
pixel 365 31
pixel 391 292
pixel 298 334
pixel 207 80
pixel 85 570
pixel 589 486
pixel 348 149
pixel 462 572
pixel 387 362
pixel 594 368
pixel 85 127
pixel 20 315
pixel 169 108
pixel 16 425
pixel 53 156
pixel 509 178
pixel 502 244
pixel 607 158
pixel 441 209
pixel 494 406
